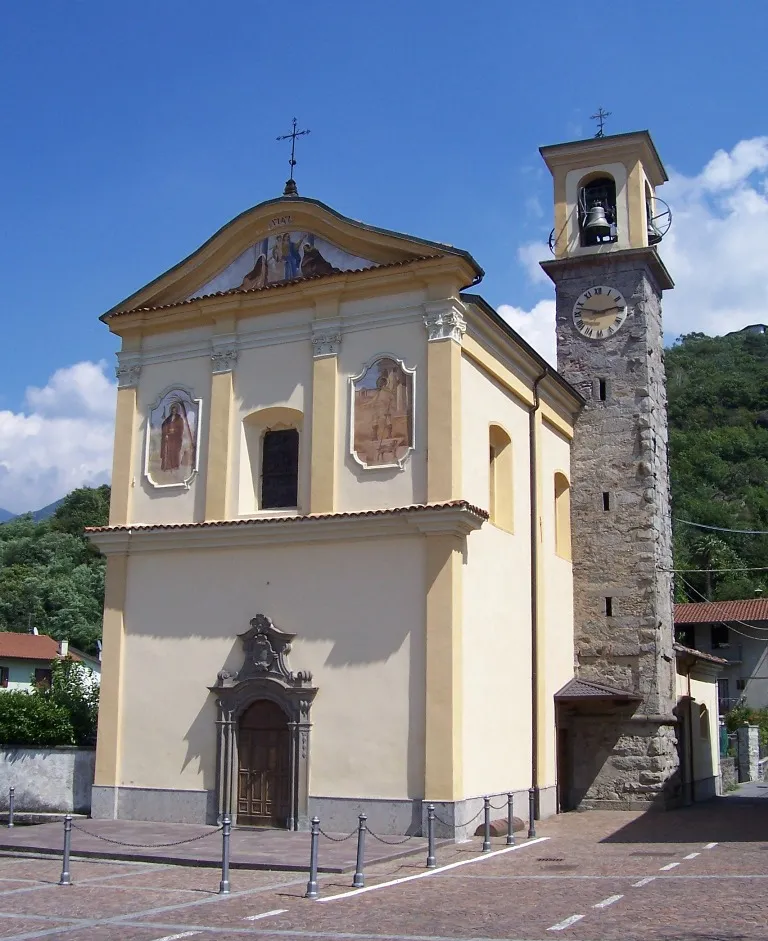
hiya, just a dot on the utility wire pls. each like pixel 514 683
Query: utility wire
pixel 722 529
pixel 741 568
pixel 728 624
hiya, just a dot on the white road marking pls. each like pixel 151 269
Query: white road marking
pixel 562 925
pixel 275 911
pixel 433 872
pixel 710 846
pixel 636 885
pixel 692 856
pixel 609 901
pixel 183 934
pixel 668 866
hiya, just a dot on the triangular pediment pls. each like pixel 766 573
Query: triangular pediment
pixel 284 240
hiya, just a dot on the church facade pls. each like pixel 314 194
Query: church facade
pixel 339 572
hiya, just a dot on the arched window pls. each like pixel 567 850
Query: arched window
pixel 270 460
pixel 562 516
pixel 597 210
pixel 500 496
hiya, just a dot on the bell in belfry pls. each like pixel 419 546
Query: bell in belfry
pixel 596 223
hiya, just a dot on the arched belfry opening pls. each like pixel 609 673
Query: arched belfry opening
pixel 597 210
pixel 263 741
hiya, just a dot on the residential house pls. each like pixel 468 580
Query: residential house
pixel 25 659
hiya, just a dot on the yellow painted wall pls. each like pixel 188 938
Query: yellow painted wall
pixel 359 488
pixel 358 609
pixel 706 747
pixel 556 604
pixel 279 375
pixel 496 600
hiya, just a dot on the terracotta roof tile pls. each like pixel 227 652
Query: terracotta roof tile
pixel 588 689
pixel 699 654
pixel 29 647
pixel 259 521
pixel 271 287
pixel 707 612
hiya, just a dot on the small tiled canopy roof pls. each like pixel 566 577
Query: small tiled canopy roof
pixel 29 647
pixel 682 651
pixel 712 612
pixel 577 689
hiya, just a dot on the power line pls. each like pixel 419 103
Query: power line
pixel 741 568
pixel 723 529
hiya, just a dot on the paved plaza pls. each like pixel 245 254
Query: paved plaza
pixel 698 874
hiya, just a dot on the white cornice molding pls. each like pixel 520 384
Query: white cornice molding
pixel 446 520
pixel 445 320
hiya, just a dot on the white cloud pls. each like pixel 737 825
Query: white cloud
pixel 530 255
pixel 537 326
pixel 716 248
pixel 62 439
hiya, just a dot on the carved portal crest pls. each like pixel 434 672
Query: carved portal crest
pixel 266 648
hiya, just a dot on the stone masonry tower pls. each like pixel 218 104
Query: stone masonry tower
pixel 617 725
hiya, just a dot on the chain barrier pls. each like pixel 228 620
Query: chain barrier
pixel 106 839
pixel 500 807
pixel 447 823
pixel 337 839
pixel 389 842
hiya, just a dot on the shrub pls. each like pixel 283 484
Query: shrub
pixel 72 690
pixel 29 719
pixel 745 715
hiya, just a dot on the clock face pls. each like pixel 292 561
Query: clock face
pixel 599 312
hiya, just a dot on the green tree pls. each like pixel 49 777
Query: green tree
pixel 28 719
pixel 73 690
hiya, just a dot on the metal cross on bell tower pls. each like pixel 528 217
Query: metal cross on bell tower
pixel 290 184
pixel 600 117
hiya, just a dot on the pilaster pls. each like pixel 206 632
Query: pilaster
pixel 223 360
pixel 443 774
pixel 326 343
pixel 446 325
pixel 108 743
pixel 128 373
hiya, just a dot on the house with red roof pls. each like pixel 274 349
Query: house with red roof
pixel 25 659
pixel 737 632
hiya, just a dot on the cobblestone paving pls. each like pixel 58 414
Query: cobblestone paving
pixel 699 874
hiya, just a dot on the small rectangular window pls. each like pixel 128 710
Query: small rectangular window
pixel 602 389
pixel 4 677
pixel 280 469
pixel 741 685
pixel 42 677
pixel 606 500
pixel 721 636
pixel 609 607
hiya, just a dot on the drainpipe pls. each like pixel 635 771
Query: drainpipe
pixel 534 498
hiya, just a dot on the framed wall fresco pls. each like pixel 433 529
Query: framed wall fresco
pixel 172 451
pixel 381 413
pixel 282 256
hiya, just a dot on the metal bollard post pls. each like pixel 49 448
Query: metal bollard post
pixel 486 825
pixel 431 861
pixel 11 804
pixel 226 832
pixel 66 879
pixel 510 821
pixel 531 812
pixel 359 881
pixel 311 892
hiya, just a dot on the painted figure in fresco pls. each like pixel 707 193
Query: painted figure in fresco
pixel 257 276
pixel 313 263
pixel 380 406
pixel 175 433
pixel 289 256
pixel 382 432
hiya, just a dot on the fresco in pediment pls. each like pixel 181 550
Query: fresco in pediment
pixel 282 256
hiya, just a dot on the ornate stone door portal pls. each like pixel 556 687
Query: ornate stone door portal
pixel 263 732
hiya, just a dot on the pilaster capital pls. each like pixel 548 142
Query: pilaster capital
pixel 444 320
pixel 128 372
pixel 326 338
pixel 223 353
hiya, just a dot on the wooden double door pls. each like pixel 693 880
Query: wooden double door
pixel 264 766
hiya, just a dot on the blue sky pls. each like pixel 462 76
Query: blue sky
pixel 131 132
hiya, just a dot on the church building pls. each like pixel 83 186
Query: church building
pixel 345 500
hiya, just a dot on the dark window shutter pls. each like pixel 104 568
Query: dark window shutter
pixel 280 469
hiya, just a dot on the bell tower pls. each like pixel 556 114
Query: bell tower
pixel 618 716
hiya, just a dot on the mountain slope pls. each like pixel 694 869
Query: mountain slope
pixel 718 420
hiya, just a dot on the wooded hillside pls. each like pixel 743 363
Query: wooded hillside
pixel 51 577
pixel 718 417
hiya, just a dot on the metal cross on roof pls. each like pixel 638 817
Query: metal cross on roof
pixel 290 186
pixel 600 117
